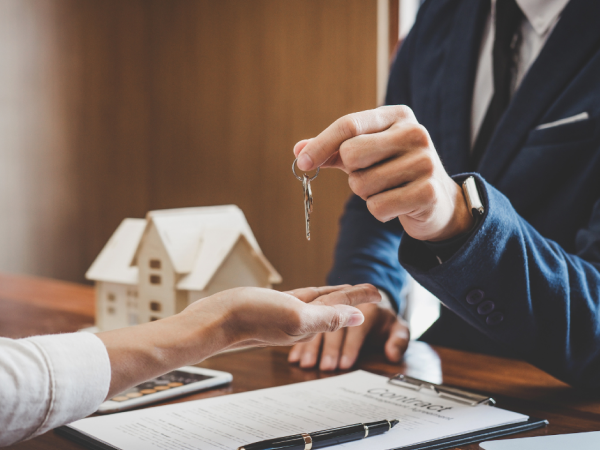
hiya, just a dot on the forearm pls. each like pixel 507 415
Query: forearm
pixel 149 350
pixel 521 290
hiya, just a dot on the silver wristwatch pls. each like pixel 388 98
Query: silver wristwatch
pixel 471 194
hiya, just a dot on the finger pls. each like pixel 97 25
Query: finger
pixel 367 149
pixel 335 162
pixel 310 352
pixel 299 146
pixel 416 199
pixel 355 338
pixel 309 294
pixel 391 174
pixel 321 319
pixel 351 295
pixel 397 343
pixel 321 148
pixel 296 353
pixel 332 344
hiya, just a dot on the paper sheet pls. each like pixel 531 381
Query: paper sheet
pixel 228 422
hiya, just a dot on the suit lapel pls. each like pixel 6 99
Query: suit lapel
pixel 459 77
pixel 570 45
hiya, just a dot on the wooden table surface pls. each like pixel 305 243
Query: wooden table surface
pixel 31 306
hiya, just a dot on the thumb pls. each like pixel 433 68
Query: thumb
pixel 322 318
pixel 300 146
pixel 397 342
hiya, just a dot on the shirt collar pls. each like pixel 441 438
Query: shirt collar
pixel 542 14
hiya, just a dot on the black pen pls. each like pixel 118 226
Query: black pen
pixel 324 438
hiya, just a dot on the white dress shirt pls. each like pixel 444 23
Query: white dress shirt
pixel 48 381
pixel 540 19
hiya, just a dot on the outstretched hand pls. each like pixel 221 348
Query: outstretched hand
pixel 330 351
pixel 230 319
pixel 263 317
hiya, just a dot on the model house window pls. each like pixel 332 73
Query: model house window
pixel 155 279
pixel 155 306
pixel 155 263
pixel 152 319
pixel 111 310
pixel 111 296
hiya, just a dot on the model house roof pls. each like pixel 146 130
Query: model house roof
pixel 182 230
pixel 216 245
pixel 113 264
pixel 197 241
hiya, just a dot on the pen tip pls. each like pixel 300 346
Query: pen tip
pixel 394 422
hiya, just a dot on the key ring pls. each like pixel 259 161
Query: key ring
pixel 300 178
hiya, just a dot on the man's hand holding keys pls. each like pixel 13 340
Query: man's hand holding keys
pixel 391 164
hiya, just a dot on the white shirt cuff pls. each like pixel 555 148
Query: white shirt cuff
pixel 79 376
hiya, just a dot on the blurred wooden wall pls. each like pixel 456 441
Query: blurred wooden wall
pixel 111 108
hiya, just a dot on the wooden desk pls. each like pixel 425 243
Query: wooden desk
pixel 33 306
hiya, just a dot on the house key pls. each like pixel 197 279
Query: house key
pixel 308 199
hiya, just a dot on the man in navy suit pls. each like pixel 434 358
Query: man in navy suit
pixel 506 92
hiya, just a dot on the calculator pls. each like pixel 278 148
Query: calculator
pixel 185 380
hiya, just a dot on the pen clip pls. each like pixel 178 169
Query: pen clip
pixel 455 394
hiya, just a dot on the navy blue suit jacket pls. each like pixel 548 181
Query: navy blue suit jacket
pixel 527 282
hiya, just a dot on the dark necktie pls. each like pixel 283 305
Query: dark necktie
pixel 508 19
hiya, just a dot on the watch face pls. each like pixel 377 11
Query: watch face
pixel 472 198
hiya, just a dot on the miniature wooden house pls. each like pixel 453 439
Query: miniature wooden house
pixel 153 268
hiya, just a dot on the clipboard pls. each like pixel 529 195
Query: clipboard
pixel 441 444
pixel 467 398
pixel 91 438
pixel 450 393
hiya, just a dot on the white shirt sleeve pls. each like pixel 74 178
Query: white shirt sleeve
pixel 48 381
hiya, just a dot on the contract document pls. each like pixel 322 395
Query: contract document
pixel 231 421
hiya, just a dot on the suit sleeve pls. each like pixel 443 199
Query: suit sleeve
pixel 522 290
